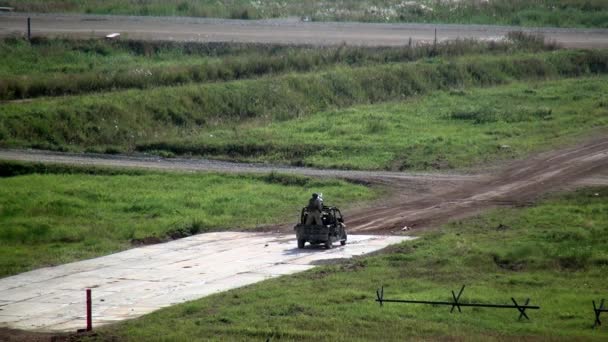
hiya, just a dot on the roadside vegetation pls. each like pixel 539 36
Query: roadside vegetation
pixel 56 214
pixel 554 253
pixel 298 118
pixel 560 13
pixel 451 129
pixel 56 67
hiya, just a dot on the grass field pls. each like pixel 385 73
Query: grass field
pixel 450 106
pixel 52 217
pixel 151 119
pixel 561 13
pixel 445 130
pixel 554 253
pixel 56 67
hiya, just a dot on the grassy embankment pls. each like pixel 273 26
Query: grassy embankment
pixel 445 130
pixel 56 67
pixel 554 253
pixel 561 13
pixel 293 118
pixel 53 214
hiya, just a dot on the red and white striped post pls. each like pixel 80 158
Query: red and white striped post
pixel 89 311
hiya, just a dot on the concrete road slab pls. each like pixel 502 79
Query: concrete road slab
pixel 141 280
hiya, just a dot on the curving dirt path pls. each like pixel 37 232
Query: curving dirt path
pixel 278 31
pixel 518 183
pixel 418 199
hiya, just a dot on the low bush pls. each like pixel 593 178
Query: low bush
pixel 484 115
pixel 15 168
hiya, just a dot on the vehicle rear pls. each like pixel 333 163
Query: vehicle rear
pixel 332 230
pixel 313 234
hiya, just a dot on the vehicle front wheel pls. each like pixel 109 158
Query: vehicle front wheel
pixel 301 243
pixel 328 244
pixel 343 241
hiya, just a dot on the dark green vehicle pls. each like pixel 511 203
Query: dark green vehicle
pixel 332 230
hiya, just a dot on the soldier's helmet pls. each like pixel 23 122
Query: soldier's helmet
pixel 315 195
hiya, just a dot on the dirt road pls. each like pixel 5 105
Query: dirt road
pixel 420 199
pixel 518 183
pixel 283 31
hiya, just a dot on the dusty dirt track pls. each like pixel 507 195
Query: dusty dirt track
pixel 418 200
pixel 281 31
pixel 516 184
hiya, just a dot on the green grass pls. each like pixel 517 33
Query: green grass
pixel 55 67
pixel 445 130
pixel 130 120
pixel 554 253
pixel 562 13
pixel 51 217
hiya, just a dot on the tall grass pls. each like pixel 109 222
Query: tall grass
pixel 54 67
pixel 563 13
pixel 120 121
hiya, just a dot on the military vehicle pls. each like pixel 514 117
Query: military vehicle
pixel 333 229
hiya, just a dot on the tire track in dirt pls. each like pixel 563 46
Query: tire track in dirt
pixel 519 183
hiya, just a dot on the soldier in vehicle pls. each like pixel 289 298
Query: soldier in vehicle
pixel 314 209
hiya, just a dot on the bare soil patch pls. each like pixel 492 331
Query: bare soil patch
pixel 515 184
